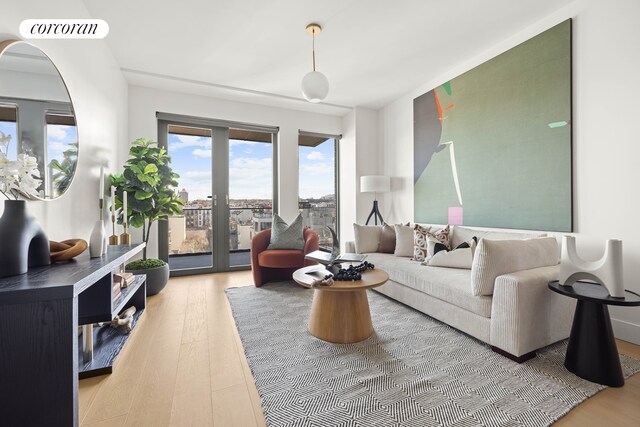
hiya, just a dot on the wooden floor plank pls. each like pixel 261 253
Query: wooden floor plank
pixel 192 395
pixel 185 365
pixel 88 389
pixel 111 422
pixel 152 399
pixel 232 407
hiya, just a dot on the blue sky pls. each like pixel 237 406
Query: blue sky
pixel 60 139
pixel 250 168
pixel 9 128
pixel 317 170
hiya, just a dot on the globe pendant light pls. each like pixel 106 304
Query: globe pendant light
pixel 315 85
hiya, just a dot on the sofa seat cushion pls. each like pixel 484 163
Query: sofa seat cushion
pixel 447 284
pixel 281 258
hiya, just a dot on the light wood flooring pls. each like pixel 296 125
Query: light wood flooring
pixel 184 366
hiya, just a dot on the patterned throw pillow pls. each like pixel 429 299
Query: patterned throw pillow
pixel 430 242
pixel 286 236
pixel 420 242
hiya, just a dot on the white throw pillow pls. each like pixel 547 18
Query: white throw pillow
pixel 367 238
pixel 404 240
pixel 494 258
pixel 460 257
pixel 457 258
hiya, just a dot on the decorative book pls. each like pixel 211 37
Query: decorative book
pixel 327 258
pixel 124 279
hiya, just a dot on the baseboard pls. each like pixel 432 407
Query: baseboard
pixel 626 331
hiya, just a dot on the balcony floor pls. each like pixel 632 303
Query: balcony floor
pixel 185 262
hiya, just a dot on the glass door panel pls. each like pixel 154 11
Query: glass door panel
pixel 226 181
pixel 191 234
pixel 250 200
pixel 317 195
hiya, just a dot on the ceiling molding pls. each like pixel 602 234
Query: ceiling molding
pixel 229 88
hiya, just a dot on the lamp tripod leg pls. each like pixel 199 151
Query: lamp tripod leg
pixel 375 212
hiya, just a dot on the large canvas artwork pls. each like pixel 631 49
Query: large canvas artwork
pixel 492 147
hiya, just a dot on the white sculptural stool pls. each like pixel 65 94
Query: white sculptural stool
pixel 606 271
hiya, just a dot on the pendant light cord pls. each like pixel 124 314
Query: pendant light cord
pixel 313 48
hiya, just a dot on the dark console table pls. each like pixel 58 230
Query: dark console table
pixel 592 353
pixel 41 357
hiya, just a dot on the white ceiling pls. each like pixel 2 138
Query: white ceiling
pixel 372 51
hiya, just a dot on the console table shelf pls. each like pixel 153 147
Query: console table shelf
pixel 129 293
pixel 107 343
pixel 40 354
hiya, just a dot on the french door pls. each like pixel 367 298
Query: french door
pixel 227 176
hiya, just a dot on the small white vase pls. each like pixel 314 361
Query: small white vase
pixel 105 242
pixel 96 242
pixel 606 271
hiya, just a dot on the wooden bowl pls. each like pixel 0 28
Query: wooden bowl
pixel 67 249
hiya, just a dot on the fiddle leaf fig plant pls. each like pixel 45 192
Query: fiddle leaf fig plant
pixel 63 171
pixel 150 185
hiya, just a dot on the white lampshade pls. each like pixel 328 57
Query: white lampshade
pixel 375 184
pixel 315 86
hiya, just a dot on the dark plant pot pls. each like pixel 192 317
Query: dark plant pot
pixel 157 278
pixel 24 244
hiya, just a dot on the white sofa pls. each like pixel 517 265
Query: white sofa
pixel 521 316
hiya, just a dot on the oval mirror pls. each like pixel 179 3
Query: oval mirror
pixel 36 116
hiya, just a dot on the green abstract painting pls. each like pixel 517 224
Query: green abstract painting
pixel 492 147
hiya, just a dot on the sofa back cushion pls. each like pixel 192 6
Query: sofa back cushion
pixel 460 235
pixel 494 258
pixel 404 240
pixel 367 238
pixel 387 242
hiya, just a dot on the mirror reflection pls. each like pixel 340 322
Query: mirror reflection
pixel 36 116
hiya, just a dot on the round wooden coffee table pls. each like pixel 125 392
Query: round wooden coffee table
pixel 340 313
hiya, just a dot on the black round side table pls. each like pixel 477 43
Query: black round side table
pixel 592 353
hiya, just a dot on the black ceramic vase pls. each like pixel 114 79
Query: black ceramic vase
pixel 23 244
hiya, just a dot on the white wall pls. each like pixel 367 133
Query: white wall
pixel 99 94
pixel 606 144
pixel 358 156
pixel 145 102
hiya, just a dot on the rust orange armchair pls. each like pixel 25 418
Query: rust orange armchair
pixel 278 264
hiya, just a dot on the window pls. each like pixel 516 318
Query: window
pixel 62 152
pixel 318 184
pixel 9 131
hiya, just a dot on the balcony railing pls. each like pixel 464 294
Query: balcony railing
pixel 191 234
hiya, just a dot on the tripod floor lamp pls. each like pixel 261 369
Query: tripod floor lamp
pixel 375 184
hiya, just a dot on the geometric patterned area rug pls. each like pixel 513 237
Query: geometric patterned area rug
pixel 413 370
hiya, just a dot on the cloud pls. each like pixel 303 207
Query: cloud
pixel 315 155
pixel 189 141
pixel 198 175
pixel 56 132
pixel 317 169
pixel 252 163
pixel 201 153
pixel 57 146
pixel 250 178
